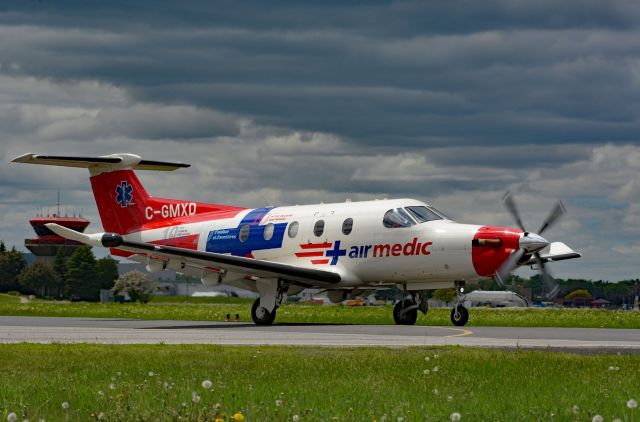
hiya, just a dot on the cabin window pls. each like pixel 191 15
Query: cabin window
pixel 244 233
pixel 347 226
pixel 268 231
pixel 292 231
pixel 396 218
pixel 318 228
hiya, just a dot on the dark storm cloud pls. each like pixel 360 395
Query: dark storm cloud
pixel 414 74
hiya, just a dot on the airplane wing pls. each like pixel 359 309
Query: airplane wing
pixel 253 267
pixel 558 251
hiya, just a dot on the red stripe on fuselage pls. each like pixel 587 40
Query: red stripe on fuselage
pixel 186 242
pixel 316 245
pixel 308 254
pixel 319 261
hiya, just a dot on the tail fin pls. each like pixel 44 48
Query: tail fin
pixel 123 203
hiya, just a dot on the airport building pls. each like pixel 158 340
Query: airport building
pixel 46 245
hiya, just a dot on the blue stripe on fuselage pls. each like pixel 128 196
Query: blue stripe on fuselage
pixel 227 240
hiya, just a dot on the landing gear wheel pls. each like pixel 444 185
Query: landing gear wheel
pixel 405 312
pixel 260 315
pixel 459 315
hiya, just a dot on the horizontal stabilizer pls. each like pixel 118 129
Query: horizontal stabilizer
pixel 113 160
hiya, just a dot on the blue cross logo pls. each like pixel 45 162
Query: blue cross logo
pixel 336 252
pixel 124 194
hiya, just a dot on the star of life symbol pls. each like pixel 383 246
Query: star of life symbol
pixel 124 194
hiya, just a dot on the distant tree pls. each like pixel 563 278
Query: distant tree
pixel 3 248
pixel 107 272
pixel 60 268
pixel 81 277
pixel 137 285
pixel 445 295
pixel 11 264
pixel 38 278
pixel 578 293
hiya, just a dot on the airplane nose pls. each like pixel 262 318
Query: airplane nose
pixel 532 242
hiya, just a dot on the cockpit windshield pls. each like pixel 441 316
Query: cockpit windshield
pixel 423 214
pixel 397 217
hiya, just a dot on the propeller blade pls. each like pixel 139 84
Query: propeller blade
pixel 548 280
pixel 510 203
pixel 508 266
pixel 555 214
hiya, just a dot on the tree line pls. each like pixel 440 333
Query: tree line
pixel 78 277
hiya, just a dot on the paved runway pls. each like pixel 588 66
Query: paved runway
pixel 127 331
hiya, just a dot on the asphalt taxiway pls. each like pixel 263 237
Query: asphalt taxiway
pixel 129 331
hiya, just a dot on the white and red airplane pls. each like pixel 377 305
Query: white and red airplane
pixel 344 248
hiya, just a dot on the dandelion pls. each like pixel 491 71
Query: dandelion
pixel 101 393
pixel 65 405
pixel 383 418
pixel 218 420
pixel 632 404
pixel 425 372
pixel 295 418
pixel 455 416
pixel 426 359
pixel 436 369
pixel 435 391
pixel 217 407
pixel 400 419
pixel 195 397
pixel 449 398
pixel 12 417
pixel 101 416
pixel 597 418
pixel 183 404
pixel 112 386
pixel 238 417
pixel 617 420
pixel 436 356
pixel 151 373
pixel 278 402
pixel 575 409
pixel 207 384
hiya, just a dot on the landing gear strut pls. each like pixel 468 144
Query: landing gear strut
pixel 273 293
pixel 261 315
pixel 405 312
pixel 459 314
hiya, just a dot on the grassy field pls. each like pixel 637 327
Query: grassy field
pixel 163 382
pixel 295 313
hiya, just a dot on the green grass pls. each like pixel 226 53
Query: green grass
pixel 5 298
pixel 296 313
pixel 199 299
pixel 141 382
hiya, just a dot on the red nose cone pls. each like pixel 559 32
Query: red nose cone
pixel 488 258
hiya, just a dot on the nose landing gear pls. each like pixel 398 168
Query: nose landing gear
pixel 459 314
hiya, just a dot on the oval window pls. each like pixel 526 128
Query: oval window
pixel 268 231
pixel 293 229
pixel 318 228
pixel 244 233
pixel 347 226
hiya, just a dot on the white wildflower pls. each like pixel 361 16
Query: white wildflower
pixel 426 359
pixel 184 404
pixel 65 405
pixel 207 384
pixel 449 398
pixel 112 386
pixel 25 420
pixel 426 372
pixel 575 409
pixel 455 416
pixel 151 373
pixel 632 404
pixel 12 417
pixel 217 406
pixel 101 393
pixel 400 419
pixel 436 369
pixel 101 416
pixel 436 356
pixel 597 418
pixel 295 418
pixel 435 391
pixel 617 420
pixel 195 397
pixel 383 418
pixel 278 402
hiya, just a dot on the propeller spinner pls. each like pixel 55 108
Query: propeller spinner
pixel 530 244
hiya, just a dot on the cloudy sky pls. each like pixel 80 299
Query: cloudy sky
pixel 450 102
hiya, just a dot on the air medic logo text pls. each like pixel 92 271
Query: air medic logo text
pixel 330 253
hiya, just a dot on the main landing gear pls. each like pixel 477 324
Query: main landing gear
pixel 261 315
pixel 459 314
pixel 272 293
pixel 405 312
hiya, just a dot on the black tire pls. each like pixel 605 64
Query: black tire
pixel 459 316
pixel 262 316
pixel 402 315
